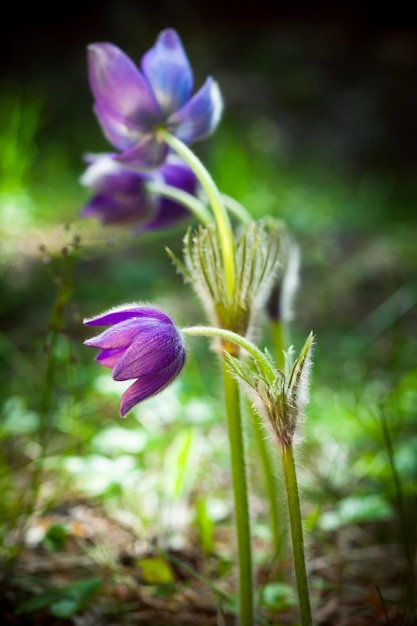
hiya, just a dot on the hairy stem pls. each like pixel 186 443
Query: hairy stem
pixel 220 213
pixel 240 492
pixel 242 342
pixel 237 209
pixel 182 197
pixel 296 533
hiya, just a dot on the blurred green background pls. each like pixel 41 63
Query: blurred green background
pixel 319 129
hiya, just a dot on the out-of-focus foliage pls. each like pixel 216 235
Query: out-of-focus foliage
pixel 164 471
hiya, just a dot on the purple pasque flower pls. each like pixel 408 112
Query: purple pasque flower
pixel 120 195
pixel 141 343
pixel 132 104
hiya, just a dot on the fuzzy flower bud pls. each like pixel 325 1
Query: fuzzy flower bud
pixel 279 397
pixel 257 259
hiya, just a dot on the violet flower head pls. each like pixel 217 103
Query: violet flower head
pixel 132 104
pixel 141 343
pixel 120 195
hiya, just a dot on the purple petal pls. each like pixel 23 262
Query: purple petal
pixel 121 196
pixel 148 153
pixel 200 115
pixel 177 174
pixel 109 358
pixel 150 353
pixel 149 385
pixel 168 71
pixel 119 87
pixel 106 175
pixel 122 209
pixel 117 130
pixel 126 312
pixel 122 335
pixel 170 214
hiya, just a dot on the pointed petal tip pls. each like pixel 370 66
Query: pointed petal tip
pixel 168 71
pixel 169 36
pixel 93 46
pixel 217 99
pixel 104 47
pixel 125 407
pixel 88 321
pixel 91 343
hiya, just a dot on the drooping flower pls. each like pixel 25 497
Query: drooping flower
pixel 120 195
pixel 132 104
pixel 142 343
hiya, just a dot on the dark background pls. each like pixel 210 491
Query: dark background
pixel 339 79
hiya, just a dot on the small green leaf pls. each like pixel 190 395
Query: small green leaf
pixel 180 463
pixel 180 266
pixel 38 602
pixel 64 608
pixel 354 510
pixel 55 537
pixel 278 596
pixel 205 526
pixel 156 570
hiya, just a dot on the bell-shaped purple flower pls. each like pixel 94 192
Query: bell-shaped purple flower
pixel 132 104
pixel 141 343
pixel 120 195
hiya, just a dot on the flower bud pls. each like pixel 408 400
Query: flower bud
pixel 141 343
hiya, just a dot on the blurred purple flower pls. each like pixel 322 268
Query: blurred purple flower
pixel 121 196
pixel 131 104
pixel 142 343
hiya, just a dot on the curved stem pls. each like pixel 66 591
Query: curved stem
pixel 236 208
pixel 240 493
pixel 228 335
pixel 220 213
pixel 296 534
pixel 182 197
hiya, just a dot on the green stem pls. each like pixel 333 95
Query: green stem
pixel 236 209
pixel 220 213
pixel 296 533
pixel 229 335
pixel 237 455
pixel 182 197
pixel 240 492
